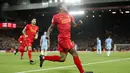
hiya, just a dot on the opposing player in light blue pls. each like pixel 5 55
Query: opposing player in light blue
pixel 44 44
pixel 108 42
pixel 99 47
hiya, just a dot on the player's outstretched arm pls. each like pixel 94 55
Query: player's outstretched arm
pixel 24 32
pixel 50 29
pixel 77 24
pixel 36 36
pixel 41 41
pixel 48 42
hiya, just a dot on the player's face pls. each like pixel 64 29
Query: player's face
pixel 97 38
pixel 33 21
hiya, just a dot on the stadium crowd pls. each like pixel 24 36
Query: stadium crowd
pixel 84 42
pixel 6 43
pixel 89 43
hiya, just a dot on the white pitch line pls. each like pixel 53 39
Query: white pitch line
pixel 73 65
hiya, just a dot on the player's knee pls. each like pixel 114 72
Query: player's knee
pixel 75 54
pixel 29 48
pixel 62 59
pixel 25 50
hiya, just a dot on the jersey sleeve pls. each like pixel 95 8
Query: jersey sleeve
pixel 54 20
pixel 26 27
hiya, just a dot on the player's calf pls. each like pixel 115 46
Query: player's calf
pixel 16 51
pixel 41 60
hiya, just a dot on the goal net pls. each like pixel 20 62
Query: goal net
pixel 121 47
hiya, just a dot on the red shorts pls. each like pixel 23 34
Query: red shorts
pixel 64 45
pixel 28 42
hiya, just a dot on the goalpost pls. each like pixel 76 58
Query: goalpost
pixel 121 47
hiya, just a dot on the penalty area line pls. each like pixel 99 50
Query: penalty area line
pixel 108 61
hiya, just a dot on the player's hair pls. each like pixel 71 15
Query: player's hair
pixel 32 19
pixel 61 5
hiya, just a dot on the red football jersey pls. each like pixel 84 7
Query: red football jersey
pixel 22 39
pixel 31 30
pixel 63 23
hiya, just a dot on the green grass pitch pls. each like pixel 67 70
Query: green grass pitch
pixel 10 63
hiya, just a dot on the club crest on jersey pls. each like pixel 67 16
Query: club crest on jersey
pixel 65 21
pixel 33 30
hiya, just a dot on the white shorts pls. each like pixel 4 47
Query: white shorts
pixel 99 48
pixel 108 47
pixel 44 47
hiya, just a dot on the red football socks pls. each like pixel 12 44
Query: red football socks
pixel 57 58
pixel 22 53
pixel 78 64
pixel 52 58
pixel 30 54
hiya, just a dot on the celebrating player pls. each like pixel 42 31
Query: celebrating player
pixel 108 42
pixel 43 44
pixel 30 32
pixel 63 21
pixel 22 47
pixel 99 46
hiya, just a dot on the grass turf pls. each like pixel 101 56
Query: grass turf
pixel 10 63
